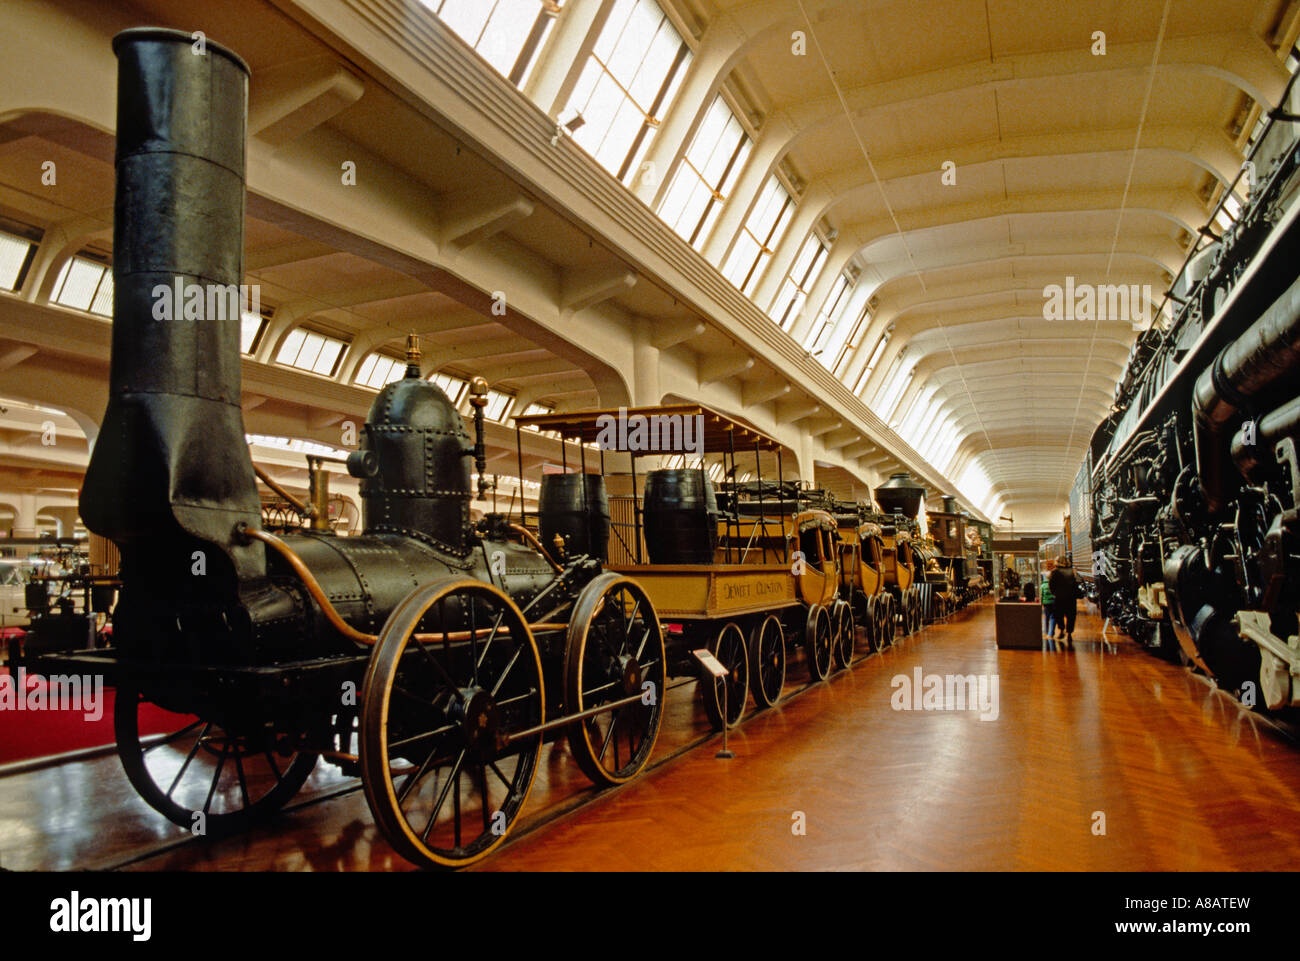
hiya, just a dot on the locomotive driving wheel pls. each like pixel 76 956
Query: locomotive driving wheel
pixel 819 642
pixel 767 661
pixel 729 648
pixel 203 776
pixel 615 650
pixel 846 632
pixel 453 682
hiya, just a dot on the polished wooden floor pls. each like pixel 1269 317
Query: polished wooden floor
pixel 1183 778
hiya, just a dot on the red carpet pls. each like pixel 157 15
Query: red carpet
pixel 30 734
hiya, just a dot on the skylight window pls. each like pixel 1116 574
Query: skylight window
pixel 888 399
pixel 916 412
pixel 295 445
pixel 497 405
pixel 944 460
pixel 251 326
pixel 844 338
pixel 85 284
pixel 818 339
pixel 871 363
pixel 380 369
pixel 807 267
pixel 627 85
pixel 763 230
pixel 505 33
pixel 453 387
pixel 706 175
pixel 307 350
pixel 14 254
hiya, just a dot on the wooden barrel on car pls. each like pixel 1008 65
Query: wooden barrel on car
pixel 680 517
pixel 584 525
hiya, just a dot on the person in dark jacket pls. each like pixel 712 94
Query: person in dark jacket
pixel 1064 584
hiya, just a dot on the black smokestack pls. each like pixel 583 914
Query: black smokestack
pixel 170 465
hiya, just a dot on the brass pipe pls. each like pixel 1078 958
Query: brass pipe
pixel 309 581
pixel 528 536
pixel 296 504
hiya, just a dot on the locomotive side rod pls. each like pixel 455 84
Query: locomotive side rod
pixel 583 715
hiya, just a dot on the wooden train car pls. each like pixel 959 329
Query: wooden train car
pixel 741 581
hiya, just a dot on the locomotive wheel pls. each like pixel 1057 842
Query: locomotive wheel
pixel 202 776
pixel 819 642
pixel 767 661
pixel 846 633
pixel 729 647
pixel 454 672
pixel 911 611
pixel 615 649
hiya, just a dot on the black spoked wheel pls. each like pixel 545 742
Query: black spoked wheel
pixel 203 776
pixel 819 642
pixel 767 661
pixel 909 611
pixel 729 648
pixel 454 679
pixel 864 614
pixel 884 621
pixel 846 633
pixel 615 650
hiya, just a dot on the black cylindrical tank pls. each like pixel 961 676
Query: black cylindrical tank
pixel 901 494
pixel 680 517
pixel 582 520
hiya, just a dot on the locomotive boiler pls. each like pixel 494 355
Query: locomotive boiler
pixel 1190 489
pixel 427 654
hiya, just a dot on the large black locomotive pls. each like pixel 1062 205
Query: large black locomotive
pixel 1192 484
pixel 429 655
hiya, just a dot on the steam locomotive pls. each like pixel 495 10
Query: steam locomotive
pixel 428 654
pixel 1187 501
